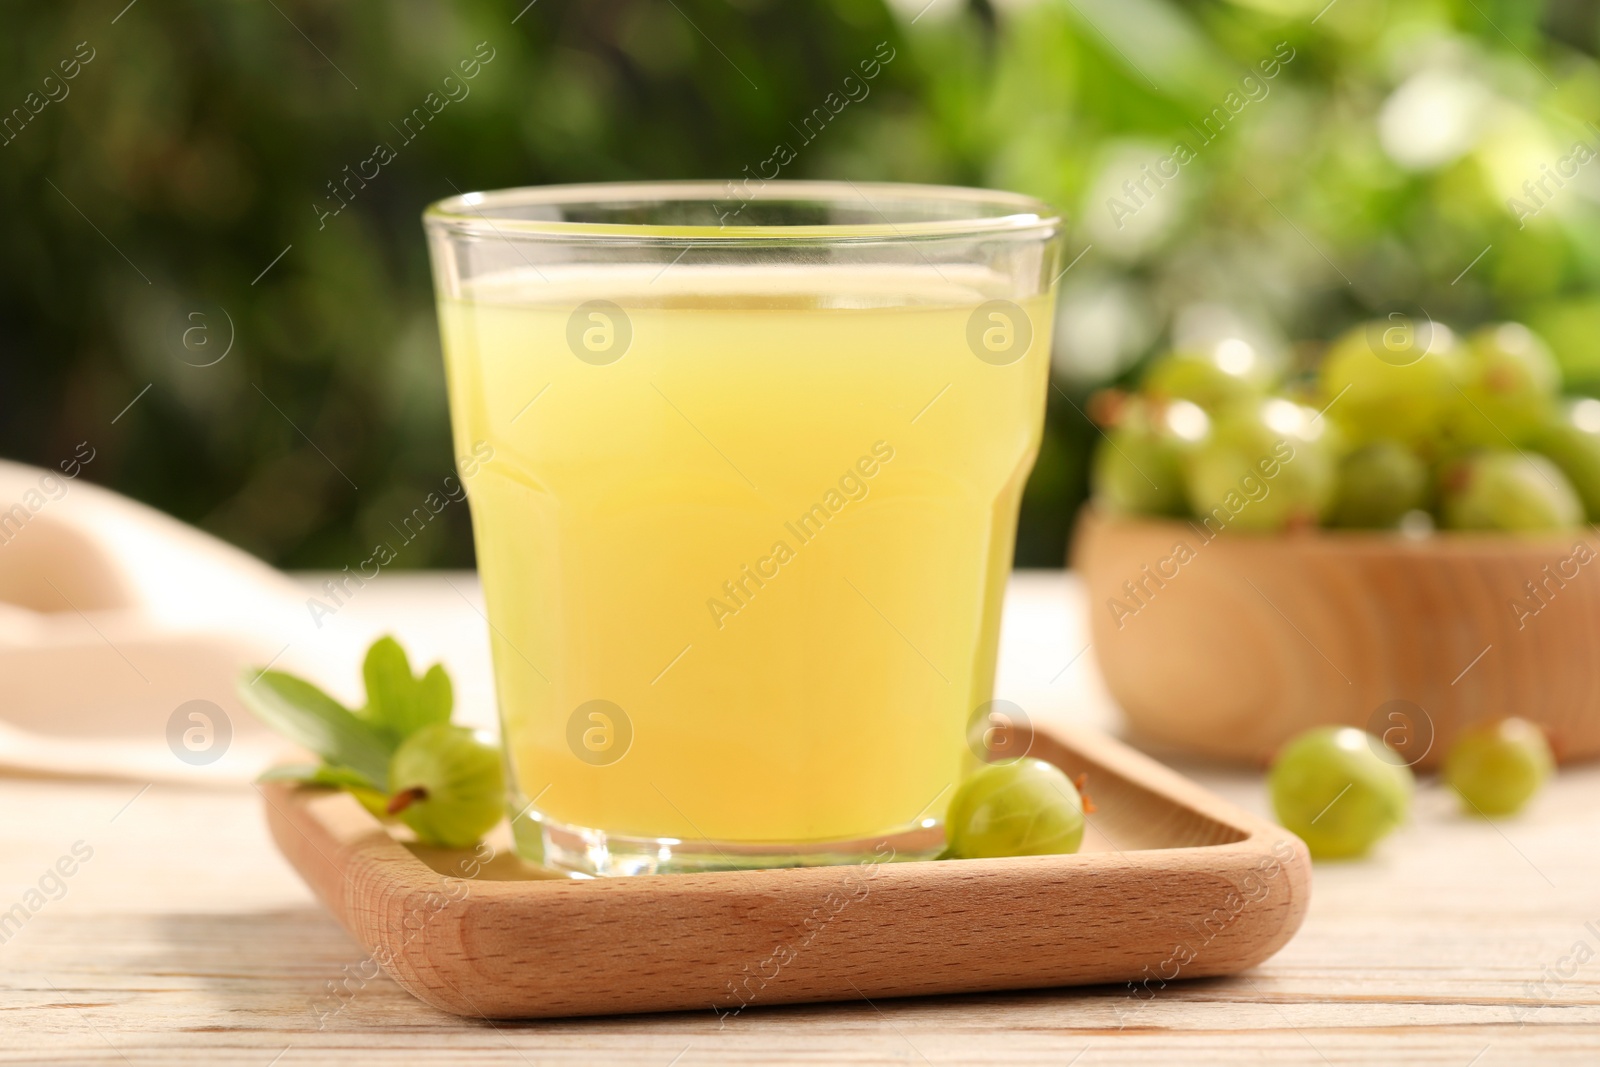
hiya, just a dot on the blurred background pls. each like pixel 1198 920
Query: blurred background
pixel 181 286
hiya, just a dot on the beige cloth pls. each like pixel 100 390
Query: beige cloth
pixel 114 616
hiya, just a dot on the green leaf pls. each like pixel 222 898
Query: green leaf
pixel 352 781
pixel 398 703
pixel 292 772
pixel 306 715
pixel 321 774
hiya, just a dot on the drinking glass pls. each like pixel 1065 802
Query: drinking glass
pixel 744 464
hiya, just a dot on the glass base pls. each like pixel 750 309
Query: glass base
pixel 540 839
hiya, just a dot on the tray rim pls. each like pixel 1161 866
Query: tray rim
pixel 1444 547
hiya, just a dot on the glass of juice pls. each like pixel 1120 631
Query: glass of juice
pixel 744 464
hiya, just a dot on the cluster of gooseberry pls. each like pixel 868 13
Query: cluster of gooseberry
pixel 1399 426
pixel 1342 789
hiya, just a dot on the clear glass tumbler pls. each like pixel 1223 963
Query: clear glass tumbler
pixel 744 466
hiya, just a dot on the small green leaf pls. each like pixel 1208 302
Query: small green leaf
pixel 435 697
pixel 398 703
pixel 306 715
pixel 387 674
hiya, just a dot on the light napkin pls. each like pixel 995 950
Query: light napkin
pixel 123 631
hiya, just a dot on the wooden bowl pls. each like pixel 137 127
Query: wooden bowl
pixel 1227 644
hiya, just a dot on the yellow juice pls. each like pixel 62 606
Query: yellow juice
pixel 772 536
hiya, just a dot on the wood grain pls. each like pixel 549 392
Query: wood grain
pixel 1256 638
pixel 1177 882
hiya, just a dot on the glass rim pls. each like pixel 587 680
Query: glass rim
pixel 993 213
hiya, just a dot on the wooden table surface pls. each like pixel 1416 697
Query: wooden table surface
pixel 182 936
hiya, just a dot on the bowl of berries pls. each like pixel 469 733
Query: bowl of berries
pixel 1398 538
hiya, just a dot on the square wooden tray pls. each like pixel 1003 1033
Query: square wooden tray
pixel 1173 882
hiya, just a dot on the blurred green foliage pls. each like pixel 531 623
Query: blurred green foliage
pixel 1379 169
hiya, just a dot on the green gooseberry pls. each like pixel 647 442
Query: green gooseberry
pixel 447 784
pixel 1496 767
pixel 1023 808
pixel 1340 790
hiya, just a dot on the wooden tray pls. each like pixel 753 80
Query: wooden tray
pixel 1173 882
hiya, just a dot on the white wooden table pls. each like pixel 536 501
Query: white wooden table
pixel 184 937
